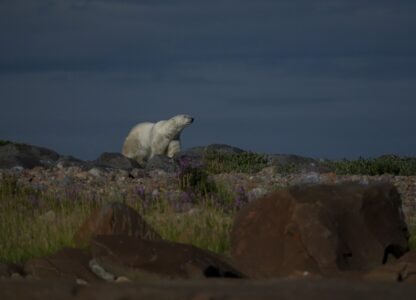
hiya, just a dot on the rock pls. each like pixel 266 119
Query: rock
pixel 114 218
pixel 294 163
pixel 256 193
pixel 207 289
pixel 322 229
pixel 67 263
pixel 26 156
pixel 161 162
pixel 115 161
pixel 37 289
pixel 137 173
pixel 70 161
pixel 96 172
pixel 8 269
pixel 144 259
pixel 404 269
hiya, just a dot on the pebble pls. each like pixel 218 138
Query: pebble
pixel 99 184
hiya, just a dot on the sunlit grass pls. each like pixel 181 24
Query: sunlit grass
pixel 36 224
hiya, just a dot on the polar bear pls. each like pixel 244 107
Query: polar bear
pixel 146 140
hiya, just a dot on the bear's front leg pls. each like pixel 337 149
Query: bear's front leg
pixel 159 146
pixel 173 148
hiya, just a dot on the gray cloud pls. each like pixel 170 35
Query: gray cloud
pixel 321 78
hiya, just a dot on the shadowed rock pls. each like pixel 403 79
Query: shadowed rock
pixel 143 259
pixel 67 263
pixel 26 156
pixel 162 162
pixel 8 269
pixel 322 229
pixel 114 218
pixel 402 270
pixel 115 161
pixel 208 289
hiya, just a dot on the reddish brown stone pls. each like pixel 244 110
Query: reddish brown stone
pixel 67 263
pixel 143 259
pixel 404 269
pixel 322 229
pixel 114 218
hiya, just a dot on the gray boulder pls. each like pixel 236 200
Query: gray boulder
pixel 115 161
pixel 26 156
pixel 162 162
pixel 294 163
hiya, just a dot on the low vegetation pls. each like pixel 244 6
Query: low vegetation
pixel 36 224
pixel 3 142
pixel 387 164
pixel 216 162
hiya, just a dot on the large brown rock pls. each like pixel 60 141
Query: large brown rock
pixel 114 218
pixel 10 269
pixel 67 263
pixel 404 269
pixel 322 229
pixel 126 256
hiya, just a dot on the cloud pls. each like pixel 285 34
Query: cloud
pixel 281 75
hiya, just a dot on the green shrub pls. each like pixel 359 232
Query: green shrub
pixel 3 142
pixel 387 164
pixel 246 162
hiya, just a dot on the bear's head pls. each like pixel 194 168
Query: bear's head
pixel 182 120
pixel 173 127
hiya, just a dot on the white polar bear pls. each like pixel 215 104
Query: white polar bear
pixel 146 140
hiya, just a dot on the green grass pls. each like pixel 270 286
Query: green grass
pixel 3 142
pixel 26 231
pixel 246 162
pixel 387 164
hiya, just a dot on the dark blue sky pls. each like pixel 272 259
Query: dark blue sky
pixel 323 78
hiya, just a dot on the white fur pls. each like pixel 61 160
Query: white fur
pixel 146 140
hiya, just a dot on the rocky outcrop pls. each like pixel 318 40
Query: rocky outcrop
pixel 296 164
pixel 115 161
pixel 321 229
pixel 139 259
pixel 161 162
pixel 114 218
pixel 67 263
pixel 26 156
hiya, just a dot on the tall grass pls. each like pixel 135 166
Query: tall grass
pixel 36 224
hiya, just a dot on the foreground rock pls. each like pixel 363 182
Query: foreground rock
pixel 68 263
pixel 114 218
pixel 139 259
pixel 402 270
pixel 207 289
pixel 323 229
